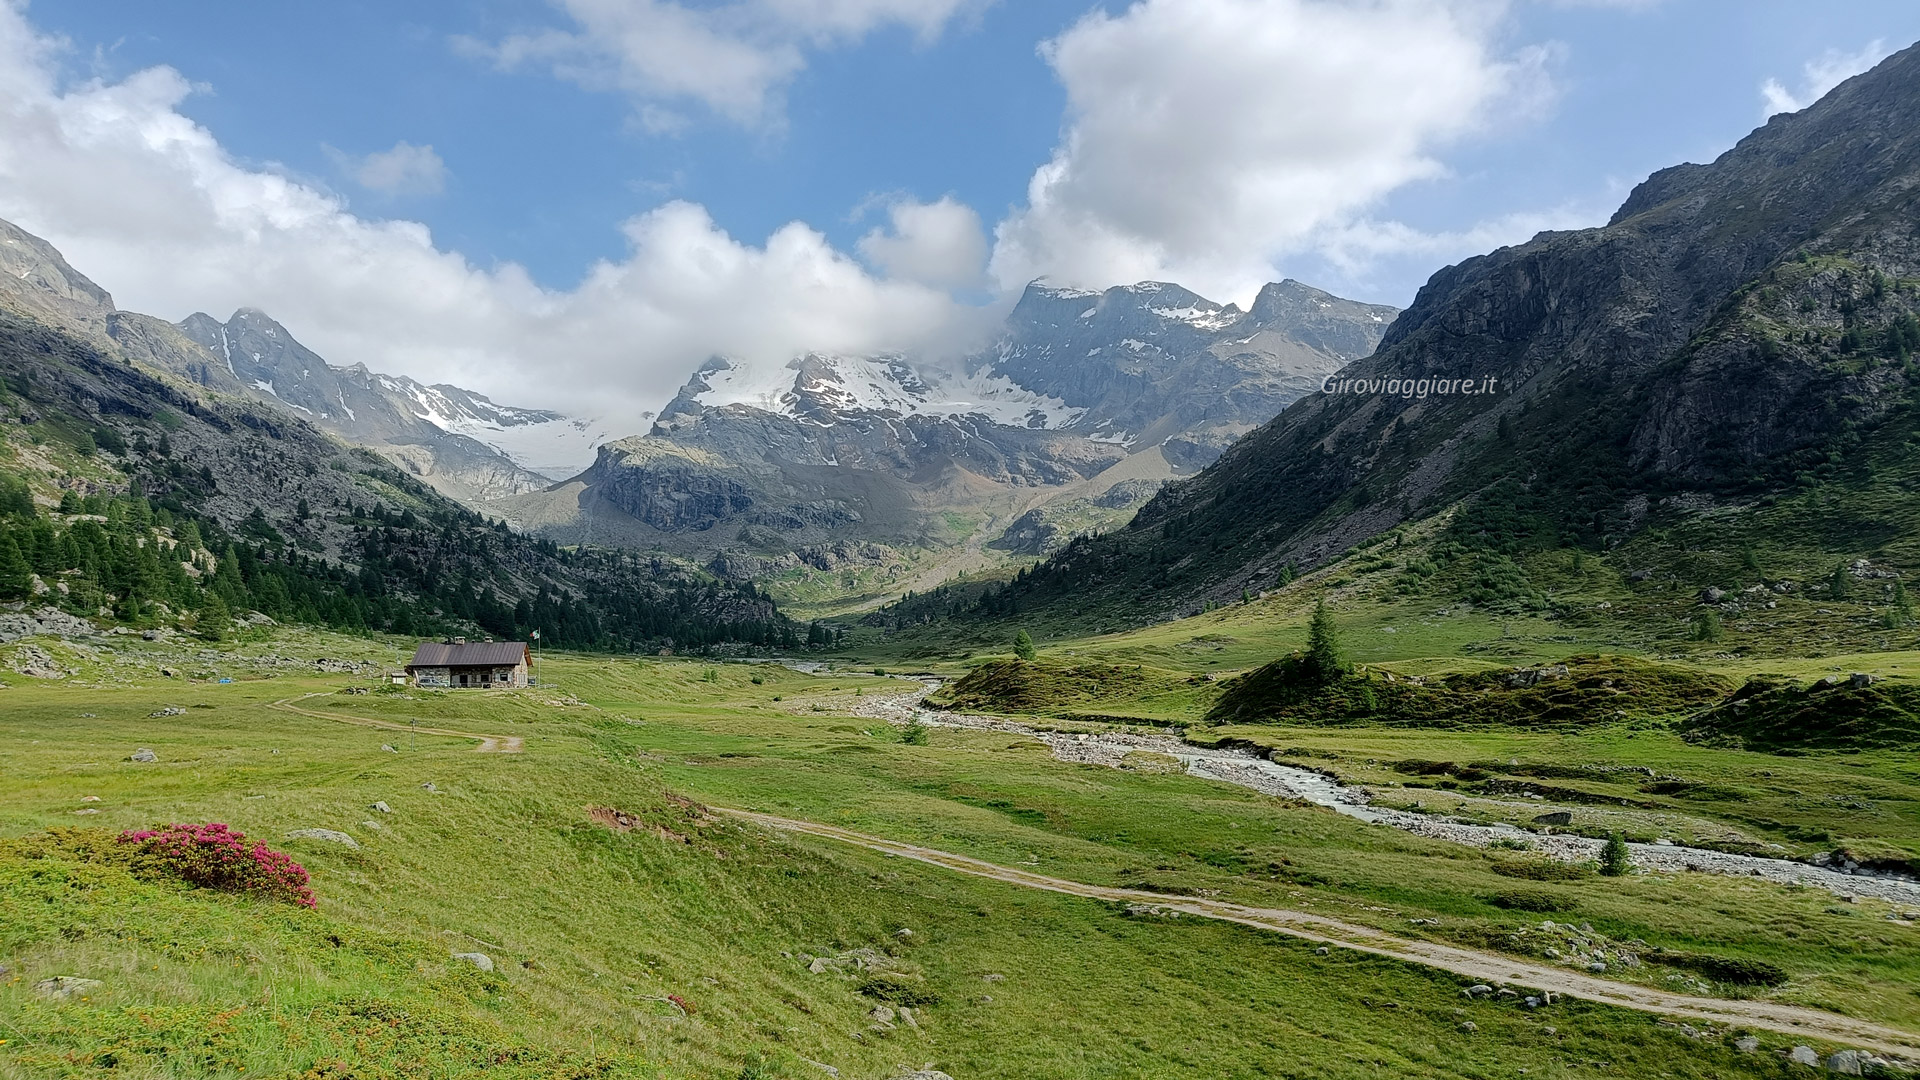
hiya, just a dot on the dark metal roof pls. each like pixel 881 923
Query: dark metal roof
pixel 473 654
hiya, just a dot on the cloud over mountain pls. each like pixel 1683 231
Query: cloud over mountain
pixel 1206 137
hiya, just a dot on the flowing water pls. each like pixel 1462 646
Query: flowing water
pixel 1249 770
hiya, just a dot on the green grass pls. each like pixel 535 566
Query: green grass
pixel 593 928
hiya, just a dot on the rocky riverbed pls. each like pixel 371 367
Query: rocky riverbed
pixel 1249 771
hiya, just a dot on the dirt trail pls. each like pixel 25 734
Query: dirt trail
pixel 1487 967
pixel 489 744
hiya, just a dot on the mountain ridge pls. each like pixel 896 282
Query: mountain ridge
pixel 1736 331
pixel 461 442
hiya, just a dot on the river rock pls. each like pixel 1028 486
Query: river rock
pixel 66 986
pixel 477 959
pixel 324 835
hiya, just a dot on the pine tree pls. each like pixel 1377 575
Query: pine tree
pixel 1614 858
pixel 16 577
pixel 1324 660
pixel 214 619
pixel 1023 646
pixel 1840 584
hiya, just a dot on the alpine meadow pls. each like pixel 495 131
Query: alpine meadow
pixel 924 646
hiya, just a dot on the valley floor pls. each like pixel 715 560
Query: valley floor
pixel 636 928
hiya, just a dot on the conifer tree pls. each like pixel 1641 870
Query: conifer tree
pixel 1325 662
pixel 1023 647
pixel 16 577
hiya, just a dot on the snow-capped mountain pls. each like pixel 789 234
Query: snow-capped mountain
pixel 462 442
pixel 1082 394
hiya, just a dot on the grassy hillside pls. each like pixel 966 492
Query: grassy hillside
pixel 587 870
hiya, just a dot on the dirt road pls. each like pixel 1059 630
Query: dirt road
pixel 1487 967
pixel 489 744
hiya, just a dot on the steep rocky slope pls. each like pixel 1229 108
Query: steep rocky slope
pixel 1738 333
pixel 460 442
pixel 146 498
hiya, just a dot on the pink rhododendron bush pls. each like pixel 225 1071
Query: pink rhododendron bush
pixel 214 856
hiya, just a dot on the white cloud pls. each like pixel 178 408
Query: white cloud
pixel 404 170
pixel 733 58
pixel 1817 76
pixel 1204 138
pixel 939 243
pixel 147 202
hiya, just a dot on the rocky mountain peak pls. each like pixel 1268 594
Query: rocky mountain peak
pixel 35 276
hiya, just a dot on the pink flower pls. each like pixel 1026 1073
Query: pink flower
pixel 214 856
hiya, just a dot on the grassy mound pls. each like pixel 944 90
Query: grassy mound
pixel 1772 716
pixel 1076 691
pixel 1586 690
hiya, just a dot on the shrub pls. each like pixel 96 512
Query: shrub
pixel 214 856
pixel 1541 870
pixel 1529 900
pixel 914 734
pixel 1736 970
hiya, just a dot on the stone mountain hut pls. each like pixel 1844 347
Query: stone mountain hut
pixel 458 663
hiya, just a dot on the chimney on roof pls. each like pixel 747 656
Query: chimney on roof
pixel 458 641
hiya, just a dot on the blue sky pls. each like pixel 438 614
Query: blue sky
pixel 557 151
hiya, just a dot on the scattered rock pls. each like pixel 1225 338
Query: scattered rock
pixel 383 808
pixel 37 663
pixel 1557 817
pixel 994 977
pixel 822 1066
pixel 88 810
pixel 89 798
pixel 477 959
pixel 171 710
pixel 1804 1055
pixel 1549 1030
pixel 1848 1063
pixel 388 749
pixel 1478 990
pixel 326 835
pixel 1597 968
pixel 144 754
pixel 1469 1026
pixel 374 825
pixel 50 621
pixel 883 1014
pixel 924 1074
pixel 1746 1044
pixel 429 787
pixel 66 986
pixel 1322 951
